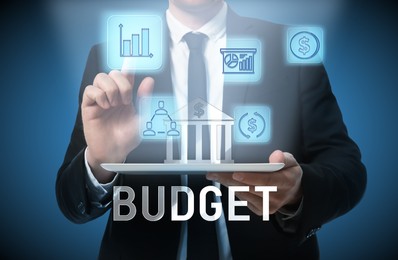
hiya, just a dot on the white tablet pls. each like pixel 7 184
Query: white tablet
pixel 192 168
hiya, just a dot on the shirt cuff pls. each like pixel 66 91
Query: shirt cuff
pixel 97 190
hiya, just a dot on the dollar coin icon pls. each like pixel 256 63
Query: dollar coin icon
pixel 304 45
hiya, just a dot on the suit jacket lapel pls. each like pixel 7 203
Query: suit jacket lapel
pixel 235 93
pixel 163 82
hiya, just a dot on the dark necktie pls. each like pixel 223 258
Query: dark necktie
pixel 197 79
pixel 197 88
pixel 202 238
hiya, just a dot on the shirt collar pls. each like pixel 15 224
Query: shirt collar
pixel 214 29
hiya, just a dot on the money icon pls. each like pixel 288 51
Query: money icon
pixel 198 110
pixel 304 45
pixel 252 125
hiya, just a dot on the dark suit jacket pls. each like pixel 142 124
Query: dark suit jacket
pixel 306 122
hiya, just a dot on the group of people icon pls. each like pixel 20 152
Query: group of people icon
pixel 161 112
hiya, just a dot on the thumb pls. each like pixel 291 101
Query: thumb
pixel 283 157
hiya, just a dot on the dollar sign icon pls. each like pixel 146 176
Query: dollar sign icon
pixel 304 46
pixel 199 110
pixel 252 125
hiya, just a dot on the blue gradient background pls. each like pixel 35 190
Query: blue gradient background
pixel 44 46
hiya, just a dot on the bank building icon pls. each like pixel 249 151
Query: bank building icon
pixel 197 120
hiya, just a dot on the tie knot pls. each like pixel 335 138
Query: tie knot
pixel 195 40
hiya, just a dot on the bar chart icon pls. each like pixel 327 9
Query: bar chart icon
pixel 135 42
pixel 136 46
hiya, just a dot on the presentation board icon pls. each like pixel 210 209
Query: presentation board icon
pixel 252 124
pixel 305 45
pixel 135 42
pixel 241 60
pixel 238 60
pixel 158 118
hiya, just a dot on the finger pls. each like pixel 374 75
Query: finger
pixel 258 208
pixel 254 209
pixel 146 87
pixel 283 157
pixel 277 157
pixel 257 179
pixel 251 198
pixel 226 180
pixel 250 205
pixel 223 178
pixel 109 86
pixel 290 161
pixel 127 70
pixel 124 84
pixel 95 96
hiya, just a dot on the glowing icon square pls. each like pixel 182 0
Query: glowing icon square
pixel 252 124
pixel 134 42
pixel 158 118
pixel 305 45
pixel 241 60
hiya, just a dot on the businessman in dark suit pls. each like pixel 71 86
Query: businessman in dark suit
pixel 323 176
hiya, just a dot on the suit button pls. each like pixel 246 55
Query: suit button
pixel 312 232
pixel 81 208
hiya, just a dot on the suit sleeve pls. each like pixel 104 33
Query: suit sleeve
pixel 334 178
pixel 72 192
